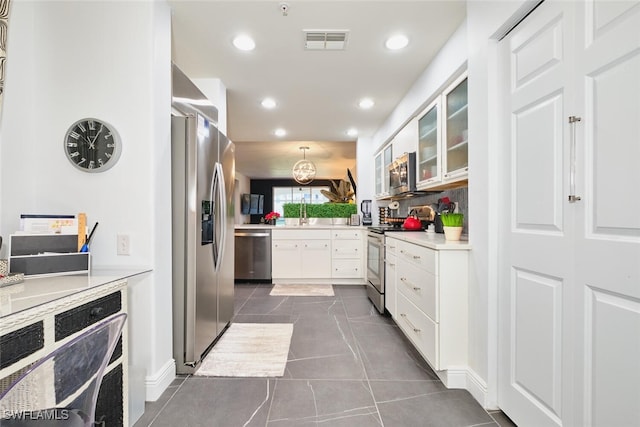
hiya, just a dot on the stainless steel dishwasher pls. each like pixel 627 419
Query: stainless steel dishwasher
pixel 253 254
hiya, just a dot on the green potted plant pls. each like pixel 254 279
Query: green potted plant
pixel 452 225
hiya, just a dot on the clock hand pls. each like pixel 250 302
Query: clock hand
pixel 92 144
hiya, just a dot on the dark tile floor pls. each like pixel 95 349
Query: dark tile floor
pixel 347 366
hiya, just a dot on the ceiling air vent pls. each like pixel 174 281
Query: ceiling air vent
pixel 325 40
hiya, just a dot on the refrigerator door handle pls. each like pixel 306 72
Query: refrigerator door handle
pixel 221 207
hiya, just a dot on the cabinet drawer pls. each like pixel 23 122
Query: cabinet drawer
pixel 321 245
pixel 420 287
pixel 421 330
pixel 305 234
pixel 77 319
pixel 419 255
pixel 346 234
pixel 346 249
pixel 19 344
pixel 391 246
pixel 286 245
pixel 346 268
pixel 110 407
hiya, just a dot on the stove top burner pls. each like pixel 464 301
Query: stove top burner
pixel 381 229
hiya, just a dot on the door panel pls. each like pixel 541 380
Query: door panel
pixel 537 166
pixel 536 259
pixel 607 291
pixel 569 297
pixel 613 134
pixel 537 311
pixel 612 359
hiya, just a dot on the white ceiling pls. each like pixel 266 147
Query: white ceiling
pixel 317 91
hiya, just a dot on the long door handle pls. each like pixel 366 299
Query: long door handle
pixel 573 120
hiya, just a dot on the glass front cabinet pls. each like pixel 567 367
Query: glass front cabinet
pixel 455 156
pixel 442 154
pixel 429 136
pixel 382 160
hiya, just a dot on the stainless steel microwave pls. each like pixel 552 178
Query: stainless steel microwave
pixel 402 174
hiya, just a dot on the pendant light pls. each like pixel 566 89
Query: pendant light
pixel 304 171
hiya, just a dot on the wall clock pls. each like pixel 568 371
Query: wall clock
pixel 92 145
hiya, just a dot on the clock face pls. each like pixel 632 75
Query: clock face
pixel 92 145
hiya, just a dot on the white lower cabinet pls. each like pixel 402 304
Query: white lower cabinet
pixel 430 295
pixel 390 275
pixel 347 255
pixel 300 254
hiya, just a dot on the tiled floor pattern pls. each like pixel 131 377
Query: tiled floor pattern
pixel 347 366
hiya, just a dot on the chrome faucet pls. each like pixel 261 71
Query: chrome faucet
pixel 303 212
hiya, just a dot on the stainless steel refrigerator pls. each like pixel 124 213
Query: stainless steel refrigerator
pixel 203 176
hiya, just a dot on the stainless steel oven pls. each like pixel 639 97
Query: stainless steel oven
pixel 375 269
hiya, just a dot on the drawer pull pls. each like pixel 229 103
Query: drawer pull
pixel 96 311
pixel 416 257
pixel 406 319
pixel 406 282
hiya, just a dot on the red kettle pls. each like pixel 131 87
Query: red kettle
pixel 412 222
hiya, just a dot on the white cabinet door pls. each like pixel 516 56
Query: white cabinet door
pixel 391 248
pixel 569 296
pixel 316 259
pixel 286 259
pixel 429 157
pixel 455 135
pixel 378 174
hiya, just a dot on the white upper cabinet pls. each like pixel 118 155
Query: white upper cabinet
pixel 455 153
pixel 382 161
pixel 429 137
pixel 442 154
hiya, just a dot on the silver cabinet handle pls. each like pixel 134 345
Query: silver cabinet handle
pixel 416 257
pixel 406 282
pixel 573 120
pixel 406 319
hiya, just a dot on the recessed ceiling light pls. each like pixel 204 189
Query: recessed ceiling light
pixel 280 132
pixel 396 42
pixel 352 132
pixel 366 103
pixel 244 42
pixel 268 103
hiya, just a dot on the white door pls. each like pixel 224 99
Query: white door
pixel 570 284
pixel 537 265
pixel 606 294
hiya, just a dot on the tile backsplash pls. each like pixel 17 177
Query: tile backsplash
pixel 459 195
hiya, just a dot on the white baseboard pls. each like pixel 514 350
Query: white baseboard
pixel 466 378
pixel 477 387
pixel 158 382
pixel 453 378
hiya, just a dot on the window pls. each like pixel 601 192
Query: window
pixel 282 195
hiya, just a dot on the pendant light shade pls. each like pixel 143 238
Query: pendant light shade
pixel 304 171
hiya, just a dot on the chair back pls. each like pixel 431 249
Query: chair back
pixel 62 388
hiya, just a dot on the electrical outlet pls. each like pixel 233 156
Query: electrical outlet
pixel 124 244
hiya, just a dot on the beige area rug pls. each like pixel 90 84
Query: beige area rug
pixel 302 290
pixel 249 350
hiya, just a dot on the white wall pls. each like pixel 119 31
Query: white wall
pixel 484 19
pixel 110 60
pixel 216 91
pixel 448 63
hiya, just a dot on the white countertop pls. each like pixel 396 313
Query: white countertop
pixel 429 240
pixel 296 227
pixel 35 291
